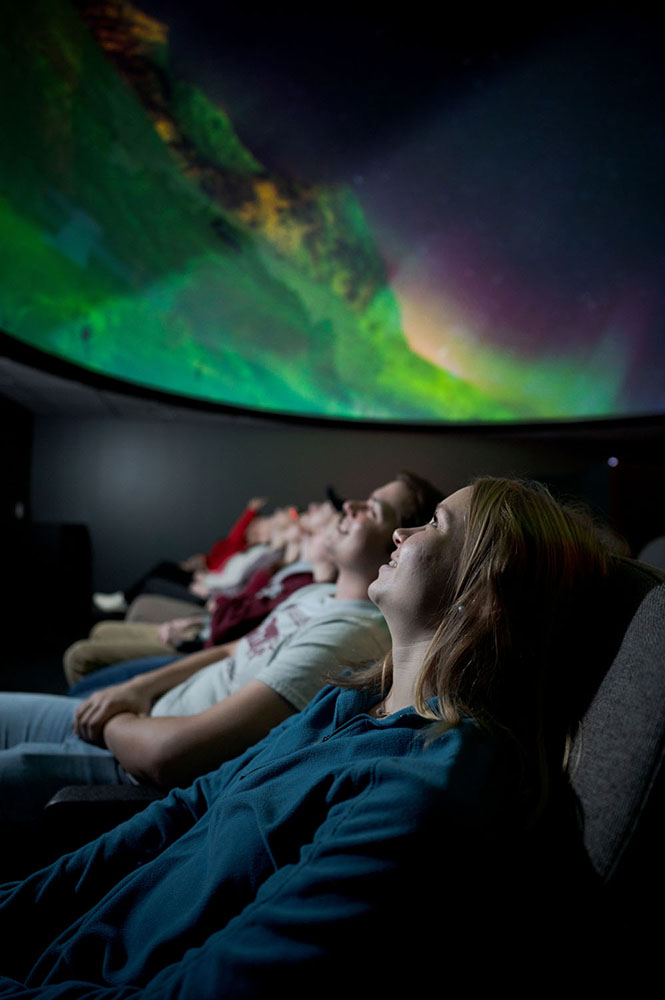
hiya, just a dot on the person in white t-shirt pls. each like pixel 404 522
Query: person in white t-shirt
pixel 170 725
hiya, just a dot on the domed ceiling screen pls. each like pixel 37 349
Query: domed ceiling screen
pixel 340 217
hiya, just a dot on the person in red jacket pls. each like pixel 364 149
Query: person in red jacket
pixel 236 540
pixel 173 579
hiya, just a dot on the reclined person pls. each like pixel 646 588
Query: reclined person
pixel 169 726
pixel 175 578
pixel 379 837
pixel 231 616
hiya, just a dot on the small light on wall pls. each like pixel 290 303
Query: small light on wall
pixel 612 462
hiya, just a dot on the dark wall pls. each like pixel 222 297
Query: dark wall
pixel 150 489
pixel 16 431
pixel 16 427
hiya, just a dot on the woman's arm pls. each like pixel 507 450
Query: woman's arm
pixel 35 911
pixel 364 879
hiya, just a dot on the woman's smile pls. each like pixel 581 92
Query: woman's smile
pixel 427 559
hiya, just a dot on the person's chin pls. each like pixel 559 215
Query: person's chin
pixel 374 590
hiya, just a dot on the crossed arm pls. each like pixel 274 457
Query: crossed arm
pixel 172 751
pixel 140 693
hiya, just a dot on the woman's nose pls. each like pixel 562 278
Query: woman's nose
pixel 401 534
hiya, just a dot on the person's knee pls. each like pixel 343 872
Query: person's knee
pixel 107 629
pixel 78 660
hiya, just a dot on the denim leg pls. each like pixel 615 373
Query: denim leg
pixel 35 718
pixel 117 673
pixel 40 755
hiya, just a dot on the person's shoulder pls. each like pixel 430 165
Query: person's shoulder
pixel 463 769
pixel 336 623
pixel 343 609
pixel 311 593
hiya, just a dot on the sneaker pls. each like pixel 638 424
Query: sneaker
pixel 110 602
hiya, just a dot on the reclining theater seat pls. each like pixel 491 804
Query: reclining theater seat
pixel 616 765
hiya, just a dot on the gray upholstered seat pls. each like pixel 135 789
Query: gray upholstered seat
pixel 617 759
pixel 653 552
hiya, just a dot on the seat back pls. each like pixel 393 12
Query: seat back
pixel 653 552
pixel 616 767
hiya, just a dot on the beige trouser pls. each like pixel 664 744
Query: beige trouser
pixel 155 608
pixel 112 642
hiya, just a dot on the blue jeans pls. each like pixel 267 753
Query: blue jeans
pixel 116 673
pixel 39 754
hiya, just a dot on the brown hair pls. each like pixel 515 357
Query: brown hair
pixel 425 498
pixel 505 651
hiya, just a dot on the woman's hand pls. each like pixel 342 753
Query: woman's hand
pixel 93 713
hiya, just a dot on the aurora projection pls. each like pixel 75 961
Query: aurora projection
pixel 342 217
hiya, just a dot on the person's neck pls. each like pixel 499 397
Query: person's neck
pixel 408 660
pixel 323 572
pixel 352 586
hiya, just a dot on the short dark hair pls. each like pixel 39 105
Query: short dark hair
pixel 425 498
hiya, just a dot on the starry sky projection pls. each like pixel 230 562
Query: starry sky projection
pixel 511 166
pixel 508 169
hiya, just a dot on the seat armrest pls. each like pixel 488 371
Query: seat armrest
pixel 77 814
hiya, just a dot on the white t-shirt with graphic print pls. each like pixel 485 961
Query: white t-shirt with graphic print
pixel 309 638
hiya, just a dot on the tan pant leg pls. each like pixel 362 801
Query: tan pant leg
pixel 120 631
pixel 155 608
pixel 107 646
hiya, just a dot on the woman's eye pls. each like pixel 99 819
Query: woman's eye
pixel 433 521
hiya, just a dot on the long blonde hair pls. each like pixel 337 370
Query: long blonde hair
pixel 505 652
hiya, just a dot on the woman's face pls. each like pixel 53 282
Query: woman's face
pixel 416 584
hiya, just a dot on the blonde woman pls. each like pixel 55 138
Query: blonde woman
pixel 373 836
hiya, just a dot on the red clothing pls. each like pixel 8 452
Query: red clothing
pixel 234 542
pixel 236 616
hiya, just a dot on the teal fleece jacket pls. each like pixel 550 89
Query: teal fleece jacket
pixel 286 865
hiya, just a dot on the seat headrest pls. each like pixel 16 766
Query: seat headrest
pixel 617 756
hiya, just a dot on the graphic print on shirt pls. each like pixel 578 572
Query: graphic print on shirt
pixel 268 636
